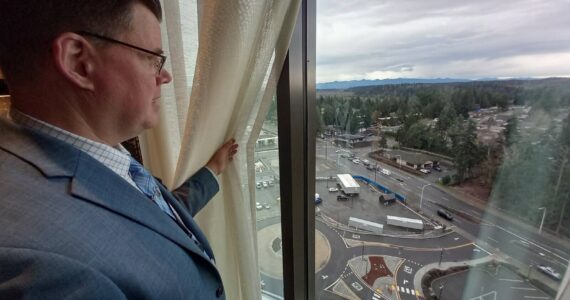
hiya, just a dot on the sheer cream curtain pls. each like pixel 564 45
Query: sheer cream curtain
pixel 225 57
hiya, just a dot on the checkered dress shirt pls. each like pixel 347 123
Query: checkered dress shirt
pixel 117 158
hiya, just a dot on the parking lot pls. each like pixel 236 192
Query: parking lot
pixel 363 206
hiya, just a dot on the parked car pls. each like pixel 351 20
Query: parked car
pixel 550 272
pixel 445 214
pixel 366 162
pixel 356 161
pixel 318 199
pixel 266 205
pixel 369 167
pixel 425 171
pixel 270 183
pixel 258 206
pixel 333 189
pixel 437 168
pixel 258 185
pixel 341 197
pixel 400 179
pixel 386 172
pixel 264 184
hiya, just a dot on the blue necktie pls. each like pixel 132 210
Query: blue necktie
pixel 147 184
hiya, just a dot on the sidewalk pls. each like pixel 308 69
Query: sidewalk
pixel 446 265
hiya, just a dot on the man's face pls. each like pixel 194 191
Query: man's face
pixel 131 97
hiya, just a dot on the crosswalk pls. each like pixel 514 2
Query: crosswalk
pixel 404 290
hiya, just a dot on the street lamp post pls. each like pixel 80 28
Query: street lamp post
pixel 542 221
pixel 422 196
pixel 440 290
pixel 375 169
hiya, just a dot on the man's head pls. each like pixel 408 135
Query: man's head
pixel 101 54
pixel 28 27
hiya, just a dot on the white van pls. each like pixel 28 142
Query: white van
pixel 386 172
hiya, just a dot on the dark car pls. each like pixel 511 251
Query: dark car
pixel 341 198
pixel 400 180
pixel 437 168
pixel 445 214
pixel 318 199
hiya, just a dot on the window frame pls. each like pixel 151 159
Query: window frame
pixel 296 110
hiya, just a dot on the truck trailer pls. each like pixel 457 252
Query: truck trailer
pixel 348 185
pixel 405 222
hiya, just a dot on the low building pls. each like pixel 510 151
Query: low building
pixel 413 160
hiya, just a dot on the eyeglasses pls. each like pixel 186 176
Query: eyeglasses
pixel 159 62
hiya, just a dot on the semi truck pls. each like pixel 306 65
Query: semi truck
pixel 348 185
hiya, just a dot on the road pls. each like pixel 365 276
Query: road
pixel 497 233
pixel 491 232
pixel 478 233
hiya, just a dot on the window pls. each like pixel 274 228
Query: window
pixel 268 207
pixel 442 150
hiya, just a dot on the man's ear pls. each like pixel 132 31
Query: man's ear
pixel 75 58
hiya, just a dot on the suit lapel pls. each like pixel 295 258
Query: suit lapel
pixel 91 181
pixel 187 219
pixel 95 183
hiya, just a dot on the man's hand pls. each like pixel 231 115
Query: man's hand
pixel 222 157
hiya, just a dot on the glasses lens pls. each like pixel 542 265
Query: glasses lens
pixel 159 62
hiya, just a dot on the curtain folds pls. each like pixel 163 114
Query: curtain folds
pixel 225 76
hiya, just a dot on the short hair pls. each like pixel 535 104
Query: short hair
pixel 27 27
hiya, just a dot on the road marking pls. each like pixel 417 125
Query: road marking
pixel 492 239
pixel 510 280
pixel 530 242
pixel 494 293
pixel 536 297
pixel 522 288
pixel 404 290
pixel 445 199
pixel 482 249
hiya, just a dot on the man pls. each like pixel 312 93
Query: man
pixel 80 218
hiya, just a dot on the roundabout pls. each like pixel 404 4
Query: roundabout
pixel 270 251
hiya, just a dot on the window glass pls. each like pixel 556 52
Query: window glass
pixel 268 207
pixel 443 149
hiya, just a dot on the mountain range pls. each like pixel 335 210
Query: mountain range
pixel 341 85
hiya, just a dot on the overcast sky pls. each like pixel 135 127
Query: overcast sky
pixel 376 39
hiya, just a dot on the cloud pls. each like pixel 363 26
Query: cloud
pixel 371 39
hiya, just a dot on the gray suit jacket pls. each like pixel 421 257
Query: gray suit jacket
pixel 72 228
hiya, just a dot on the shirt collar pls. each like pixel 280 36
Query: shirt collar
pixel 116 158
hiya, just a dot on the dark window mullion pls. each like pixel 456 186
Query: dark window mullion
pixel 296 111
